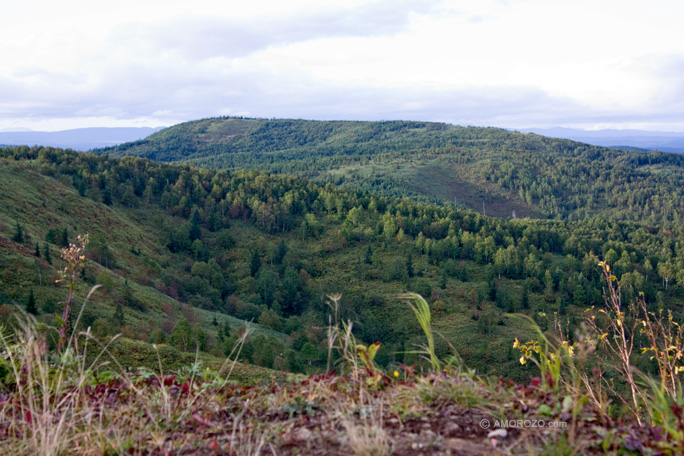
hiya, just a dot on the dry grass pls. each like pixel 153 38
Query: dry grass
pixel 55 405
pixel 365 435
pixel 48 407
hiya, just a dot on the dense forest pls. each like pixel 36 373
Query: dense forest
pixel 188 257
pixel 492 171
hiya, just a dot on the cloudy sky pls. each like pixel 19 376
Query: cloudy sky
pixel 509 63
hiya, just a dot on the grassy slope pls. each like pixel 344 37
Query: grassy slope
pixel 38 203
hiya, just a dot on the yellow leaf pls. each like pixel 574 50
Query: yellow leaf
pixel 373 350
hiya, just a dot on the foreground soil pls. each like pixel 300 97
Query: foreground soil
pixel 439 414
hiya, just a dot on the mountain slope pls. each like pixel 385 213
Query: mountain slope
pixel 172 241
pixel 492 171
pixel 127 256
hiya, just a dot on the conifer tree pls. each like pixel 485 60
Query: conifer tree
pixel 46 247
pixel 525 297
pixel 106 196
pixel 64 240
pixel 118 316
pixel 254 263
pixel 31 304
pixel 409 265
pixel 196 222
pixel 18 234
pixel 369 255
pixel 280 252
pixel 443 279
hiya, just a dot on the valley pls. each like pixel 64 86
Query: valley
pixel 198 267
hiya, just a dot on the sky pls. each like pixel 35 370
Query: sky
pixel 589 64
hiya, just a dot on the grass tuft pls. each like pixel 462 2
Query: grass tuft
pixel 422 311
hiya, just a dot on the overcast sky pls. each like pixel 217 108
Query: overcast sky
pixel 508 63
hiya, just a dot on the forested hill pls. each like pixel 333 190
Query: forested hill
pixel 490 170
pixel 181 251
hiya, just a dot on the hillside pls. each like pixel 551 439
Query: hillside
pixel 126 256
pixel 489 170
pixel 170 241
pixel 187 257
pixel 164 251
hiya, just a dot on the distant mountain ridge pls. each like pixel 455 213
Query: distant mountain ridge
pixel 493 171
pixel 78 139
pixel 664 141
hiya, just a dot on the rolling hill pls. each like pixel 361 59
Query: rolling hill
pixel 492 171
pixel 174 242
pixel 188 258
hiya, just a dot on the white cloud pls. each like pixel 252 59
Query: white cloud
pixel 507 63
pixel 205 37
